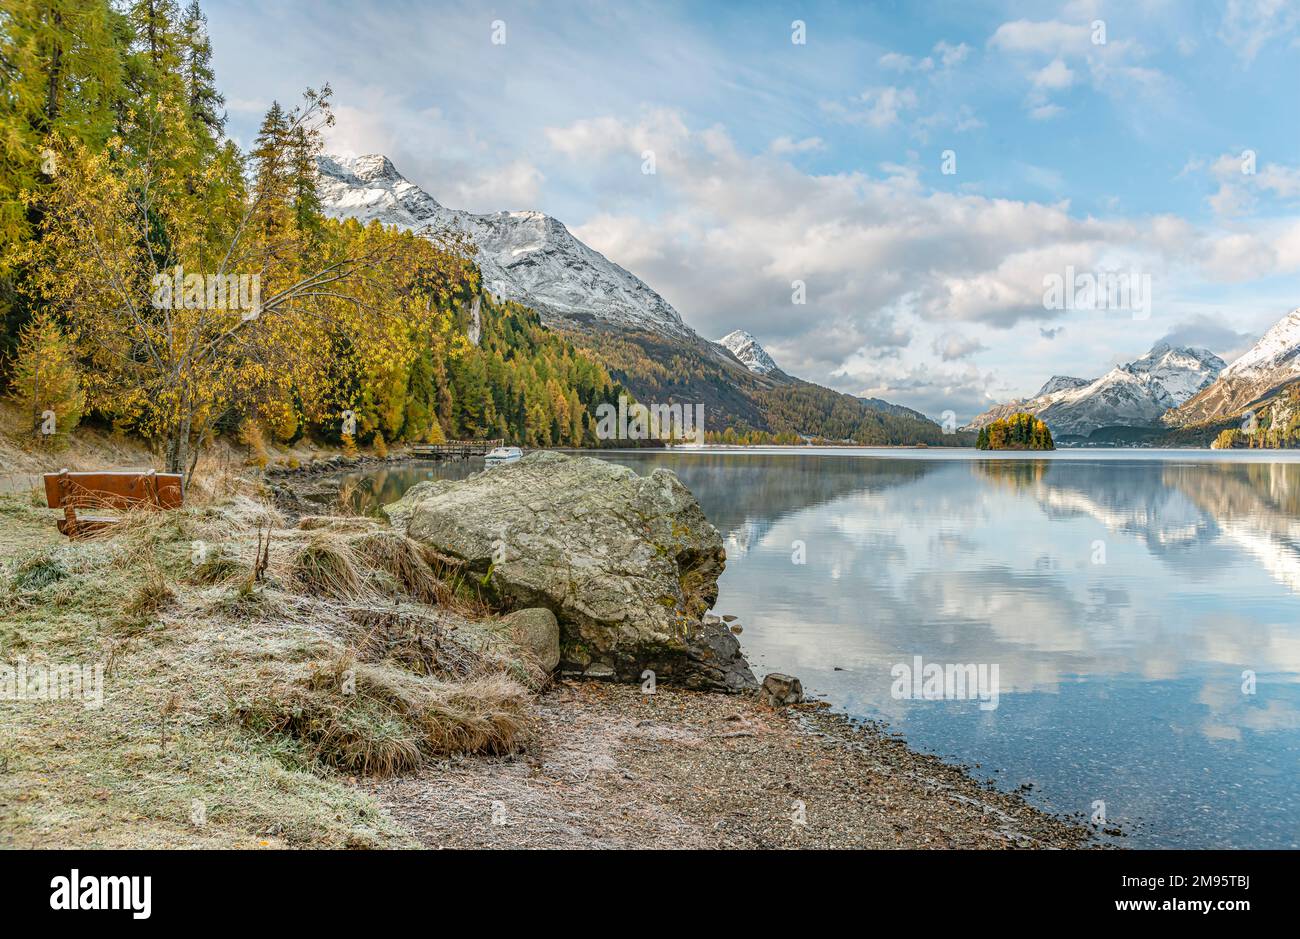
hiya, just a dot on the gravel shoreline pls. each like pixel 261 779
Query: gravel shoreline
pixel 609 767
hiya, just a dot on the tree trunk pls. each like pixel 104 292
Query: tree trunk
pixel 56 70
pixel 178 447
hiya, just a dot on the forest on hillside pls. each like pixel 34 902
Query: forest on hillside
pixel 742 408
pixel 156 278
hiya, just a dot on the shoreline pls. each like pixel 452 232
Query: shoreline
pixel 609 767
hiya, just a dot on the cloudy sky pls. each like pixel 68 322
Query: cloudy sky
pixel 921 168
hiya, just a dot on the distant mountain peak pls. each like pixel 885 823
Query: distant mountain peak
pixel 1061 383
pixel 750 352
pixel 526 256
pixel 1277 350
pixel 1268 365
pixel 1136 394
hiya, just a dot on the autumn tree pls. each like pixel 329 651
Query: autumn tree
pixel 46 382
pixel 61 71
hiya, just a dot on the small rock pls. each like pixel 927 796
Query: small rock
pixel 536 630
pixel 737 629
pixel 598 670
pixel 779 690
pixel 729 618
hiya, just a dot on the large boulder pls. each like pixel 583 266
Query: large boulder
pixel 628 563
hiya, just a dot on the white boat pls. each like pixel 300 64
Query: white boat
pixel 503 455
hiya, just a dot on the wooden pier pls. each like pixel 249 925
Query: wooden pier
pixel 454 449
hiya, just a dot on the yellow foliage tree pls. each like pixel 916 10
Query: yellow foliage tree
pixel 46 382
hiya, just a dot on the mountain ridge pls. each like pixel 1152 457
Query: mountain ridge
pixel 524 256
pixel 1263 370
pixel 533 259
pixel 1136 394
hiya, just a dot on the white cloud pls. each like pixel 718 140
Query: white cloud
pixel 891 267
pixel 876 107
pixel 787 145
pixel 886 261
pixel 1049 38
pixel 951 346
pixel 951 55
pixel 661 130
pixel 1054 76
pixel 517 183
pixel 1055 55
pixel 1240 191
pixel 1249 25
pixel 898 62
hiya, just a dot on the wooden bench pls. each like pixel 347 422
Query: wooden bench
pixel 108 490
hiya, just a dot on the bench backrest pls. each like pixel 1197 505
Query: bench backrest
pixel 113 490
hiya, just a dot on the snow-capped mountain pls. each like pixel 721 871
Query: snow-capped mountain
pixel 1134 395
pixel 1272 362
pixel 528 257
pixel 746 348
pixel 1061 383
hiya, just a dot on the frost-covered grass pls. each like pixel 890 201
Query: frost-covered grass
pixel 235 713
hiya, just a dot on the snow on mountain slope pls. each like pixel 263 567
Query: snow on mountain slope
pixel 1277 352
pixel 1061 383
pixel 528 257
pixel 746 348
pixel 1272 362
pixel 1134 395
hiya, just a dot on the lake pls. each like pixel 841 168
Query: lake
pixel 1137 608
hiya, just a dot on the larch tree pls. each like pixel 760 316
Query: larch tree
pixel 46 382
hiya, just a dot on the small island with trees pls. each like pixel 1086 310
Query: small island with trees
pixel 1017 432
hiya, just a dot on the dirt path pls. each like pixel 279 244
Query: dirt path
pixel 612 768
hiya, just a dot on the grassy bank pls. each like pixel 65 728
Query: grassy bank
pixel 236 713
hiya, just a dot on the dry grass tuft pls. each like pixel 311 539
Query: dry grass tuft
pixel 36 570
pixel 417 642
pixel 403 560
pixel 150 597
pixel 379 721
pixel 217 568
pixel 327 567
pixel 337 523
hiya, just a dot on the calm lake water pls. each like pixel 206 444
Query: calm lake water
pixel 1122 596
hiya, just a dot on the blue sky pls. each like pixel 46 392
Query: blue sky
pixel 823 162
